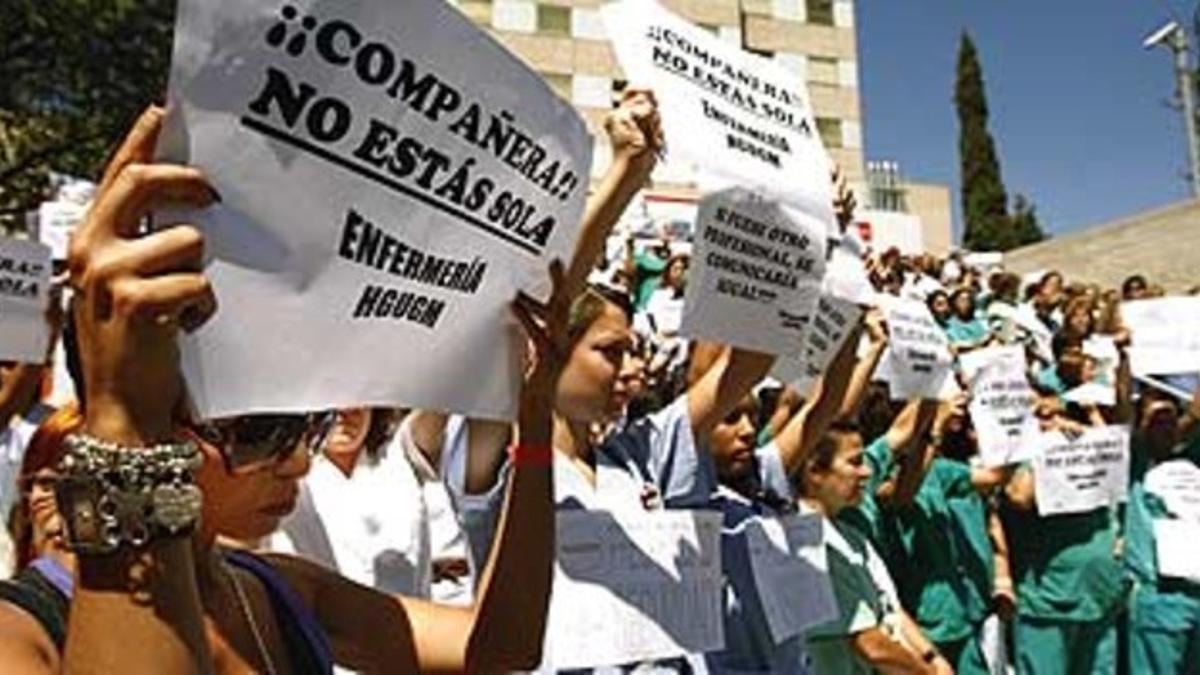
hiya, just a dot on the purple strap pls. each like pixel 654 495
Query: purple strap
pixel 56 574
pixel 285 599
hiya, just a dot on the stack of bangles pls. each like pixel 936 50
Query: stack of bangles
pixel 525 454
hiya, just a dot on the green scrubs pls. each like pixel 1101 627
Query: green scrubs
pixel 861 603
pixel 1070 590
pixel 1164 614
pixel 969 333
pixel 649 270
pixel 941 558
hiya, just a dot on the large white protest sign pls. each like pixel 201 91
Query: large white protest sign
pixel 1081 474
pixel 755 275
pixel 831 324
pixel 1002 404
pixel 787 555
pixel 56 219
pixel 733 114
pixel 635 586
pixel 385 192
pixel 24 293
pixel 918 358
pixel 1177 483
pixel 1175 548
pixel 1165 335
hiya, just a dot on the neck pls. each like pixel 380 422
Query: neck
pixel 345 461
pixel 819 506
pixel 572 438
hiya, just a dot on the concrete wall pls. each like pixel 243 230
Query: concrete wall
pixel 1163 244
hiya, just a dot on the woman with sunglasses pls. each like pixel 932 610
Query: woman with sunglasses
pixel 161 601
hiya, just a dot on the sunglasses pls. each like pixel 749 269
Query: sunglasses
pixel 252 442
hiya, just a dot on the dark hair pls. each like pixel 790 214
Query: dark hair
pixel 1131 281
pixel 821 457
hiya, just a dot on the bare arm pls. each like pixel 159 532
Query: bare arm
pixel 886 655
pixel 19 390
pixel 806 427
pixel 1020 491
pixel 126 286
pixel 636 134
pixel 1123 411
pixel 860 380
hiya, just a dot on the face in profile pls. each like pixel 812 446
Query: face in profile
pixel 585 387
pixel 630 383
pixel 43 510
pixel 249 505
pixel 844 481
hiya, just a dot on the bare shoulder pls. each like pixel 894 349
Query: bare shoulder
pixel 25 646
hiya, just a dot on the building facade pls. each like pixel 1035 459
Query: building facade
pixel 565 41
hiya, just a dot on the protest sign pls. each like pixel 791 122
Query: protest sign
pixel 1177 483
pixel 24 294
pixel 918 357
pixel 755 275
pixel 1081 474
pixel 846 276
pixel 1002 404
pixel 737 116
pixel 1040 336
pixel 383 198
pixel 634 586
pixel 787 555
pixel 831 324
pixel 1165 335
pixel 1175 548
pixel 56 219
pixel 1092 393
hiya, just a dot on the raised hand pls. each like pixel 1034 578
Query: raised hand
pixel 635 130
pixel 133 292
pixel 844 201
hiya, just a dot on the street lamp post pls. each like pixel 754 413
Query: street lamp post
pixel 1174 38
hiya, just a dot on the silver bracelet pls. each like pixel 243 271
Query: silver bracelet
pixel 112 496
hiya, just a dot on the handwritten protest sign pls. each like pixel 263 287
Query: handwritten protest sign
pixel 636 586
pixel 24 294
pixel 1177 483
pixel 1175 548
pixel 918 358
pixel 1082 474
pixel 384 196
pixel 787 555
pixel 831 324
pixel 1165 335
pixel 755 276
pixel 735 115
pixel 1002 404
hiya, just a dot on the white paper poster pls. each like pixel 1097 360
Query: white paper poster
pixel 24 294
pixel 1175 548
pixel 385 193
pixel 1082 474
pixel 733 114
pixel 918 357
pixel 56 220
pixel 831 324
pixel 791 572
pixel 1002 404
pixel 755 275
pixel 635 586
pixel 1177 483
pixel 1165 335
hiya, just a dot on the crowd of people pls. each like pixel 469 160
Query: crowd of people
pixel 387 540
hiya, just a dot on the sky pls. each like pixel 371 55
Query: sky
pixel 1077 105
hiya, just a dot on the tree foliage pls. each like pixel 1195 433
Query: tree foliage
pixel 988 225
pixel 75 74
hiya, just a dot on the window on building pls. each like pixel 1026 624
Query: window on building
pixel 830 129
pixel 479 11
pixel 820 12
pixel 710 27
pixel 560 83
pixel 553 20
pixel 765 53
pixel 823 70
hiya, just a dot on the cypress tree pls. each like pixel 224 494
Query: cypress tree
pixel 984 198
